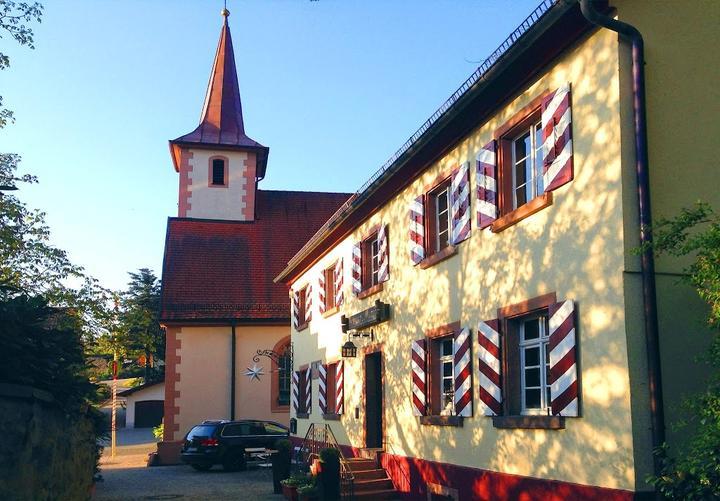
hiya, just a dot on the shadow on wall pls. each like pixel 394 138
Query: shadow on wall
pixel 576 248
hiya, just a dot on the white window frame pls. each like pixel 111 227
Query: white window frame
pixel 535 154
pixel 542 343
pixel 445 215
pixel 442 360
pixel 374 261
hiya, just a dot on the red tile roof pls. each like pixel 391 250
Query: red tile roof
pixel 222 270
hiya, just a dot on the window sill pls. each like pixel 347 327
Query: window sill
pixel 456 421
pixel 511 218
pixel 331 311
pixel 444 254
pixel 302 326
pixel 529 422
pixel 302 415
pixel 332 417
pixel 370 291
pixel 280 408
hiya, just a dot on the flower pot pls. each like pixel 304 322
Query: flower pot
pixel 290 492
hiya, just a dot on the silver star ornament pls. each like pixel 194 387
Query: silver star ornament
pixel 254 372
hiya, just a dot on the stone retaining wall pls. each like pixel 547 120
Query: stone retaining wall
pixel 44 453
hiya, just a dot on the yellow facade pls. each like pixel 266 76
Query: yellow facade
pixel 579 247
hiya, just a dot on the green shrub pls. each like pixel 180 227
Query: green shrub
pixel 694 472
pixel 298 480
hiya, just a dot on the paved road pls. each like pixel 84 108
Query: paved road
pixel 127 478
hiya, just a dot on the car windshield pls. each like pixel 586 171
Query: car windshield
pixel 201 431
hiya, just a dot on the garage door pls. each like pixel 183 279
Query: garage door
pixel 148 413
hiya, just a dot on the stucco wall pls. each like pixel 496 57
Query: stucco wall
pixel 236 201
pixel 156 392
pixel 682 104
pixel 203 386
pixel 573 248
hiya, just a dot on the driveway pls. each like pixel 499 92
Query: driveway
pixel 126 477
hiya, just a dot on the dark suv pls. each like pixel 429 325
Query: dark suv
pixel 227 442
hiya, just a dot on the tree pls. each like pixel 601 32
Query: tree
pixel 696 473
pixel 139 327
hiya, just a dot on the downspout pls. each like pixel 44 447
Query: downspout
pixel 647 262
pixel 233 349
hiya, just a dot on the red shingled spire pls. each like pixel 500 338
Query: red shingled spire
pixel 221 121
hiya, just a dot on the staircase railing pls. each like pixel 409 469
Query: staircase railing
pixel 322 437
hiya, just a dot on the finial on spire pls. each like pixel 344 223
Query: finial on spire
pixel 225 12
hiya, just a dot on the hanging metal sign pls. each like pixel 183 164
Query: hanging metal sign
pixel 374 315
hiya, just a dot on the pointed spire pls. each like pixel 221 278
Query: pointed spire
pixel 221 121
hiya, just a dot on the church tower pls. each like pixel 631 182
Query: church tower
pixel 219 165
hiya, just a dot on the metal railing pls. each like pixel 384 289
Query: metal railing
pixel 322 437
pixel 488 63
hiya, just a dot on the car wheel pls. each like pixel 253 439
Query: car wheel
pixel 201 467
pixel 234 460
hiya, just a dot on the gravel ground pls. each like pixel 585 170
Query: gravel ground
pixel 125 477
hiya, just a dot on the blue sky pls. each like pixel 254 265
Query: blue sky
pixel 333 87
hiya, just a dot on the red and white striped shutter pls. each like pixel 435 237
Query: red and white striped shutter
pixel 489 366
pixel 486 174
pixel 308 390
pixel 322 386
pixel 340 387
pixel 308 303
pixel 557 148
pixel 417 230
pixel 563 360
pixel 460 200
pixel 321 292
pixel 463 374
pixel 383 255
pixel 356 269
pixel 419 377
pixel 296 308
pixel 295 383
pixel 339 294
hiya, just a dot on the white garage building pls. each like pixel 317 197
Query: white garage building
pixel 144 405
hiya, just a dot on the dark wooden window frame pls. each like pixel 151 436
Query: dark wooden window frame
pixel 330 306
pixel 434 336
pixel 331 392
pixel 302 313
pixel 367 288
pixel 510 363
pixel 275 404
pixel 504 137
pixel 302 412
pixel 433 256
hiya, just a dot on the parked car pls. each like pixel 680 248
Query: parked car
pixel 226 442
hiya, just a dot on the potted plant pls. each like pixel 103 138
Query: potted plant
pixel 328 476
pixel 291 485
pixel 307 492
pixel 281 463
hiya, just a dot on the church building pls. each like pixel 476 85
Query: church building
pixel 219 304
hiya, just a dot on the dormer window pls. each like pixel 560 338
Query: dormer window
pixel 218 172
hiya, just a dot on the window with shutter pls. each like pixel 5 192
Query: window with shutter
pixel 444 375
pixel 540 386
pixel 534 157
pixel 371 262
